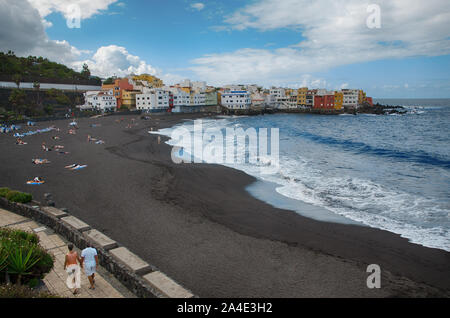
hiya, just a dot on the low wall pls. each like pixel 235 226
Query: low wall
pixel 47 86
pixel 129 279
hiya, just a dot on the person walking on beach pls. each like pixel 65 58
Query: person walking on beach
pixel 90 261
pixel 73 270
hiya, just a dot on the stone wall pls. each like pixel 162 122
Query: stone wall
pixel 135 283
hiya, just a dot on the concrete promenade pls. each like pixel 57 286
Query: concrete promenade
pixel 106 285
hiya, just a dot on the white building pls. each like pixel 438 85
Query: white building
pixel 198 99
pixel 350 98
pixel 278 92
pixel 236 100
pixel 100 100
pixel 180 97
pixel 154 100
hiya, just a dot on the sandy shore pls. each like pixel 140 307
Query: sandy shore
pixel 199 225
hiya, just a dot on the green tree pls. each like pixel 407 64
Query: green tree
pixel 109 81
pixel 17 79
pixel 17 99
pixel 85 73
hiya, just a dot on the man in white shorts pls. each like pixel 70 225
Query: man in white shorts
pixel 90 261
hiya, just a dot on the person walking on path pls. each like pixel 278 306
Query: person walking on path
pixel 90 261
pixel 73 270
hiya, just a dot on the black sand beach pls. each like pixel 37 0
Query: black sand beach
pixel 199 225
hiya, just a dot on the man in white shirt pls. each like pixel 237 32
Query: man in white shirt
pixel 90 261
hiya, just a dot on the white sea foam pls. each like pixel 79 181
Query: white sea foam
pixel 358 199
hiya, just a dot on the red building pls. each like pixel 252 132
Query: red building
pixel 369 100
pixel 324 102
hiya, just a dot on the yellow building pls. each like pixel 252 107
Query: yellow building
pixel 338 100
pixel 288 92
pixel 301 95
pixel 186 89
pixel 129 99
pixel 361 97
pixel 153 81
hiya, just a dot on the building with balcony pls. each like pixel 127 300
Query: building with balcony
pixel 237 100
pixel 153 100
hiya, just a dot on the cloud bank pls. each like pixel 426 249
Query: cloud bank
pixel 334 33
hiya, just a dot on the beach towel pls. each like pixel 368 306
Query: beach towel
pixel 78 167
pixel 35 182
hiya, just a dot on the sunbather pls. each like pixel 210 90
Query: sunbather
pixel 40 161
pixel 19 141
pixel 45 148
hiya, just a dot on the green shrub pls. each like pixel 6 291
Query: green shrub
pixel 26 261
pixel 16 291
pixel 19 197
pixel 4 192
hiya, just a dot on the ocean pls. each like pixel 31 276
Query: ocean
pixel 390 172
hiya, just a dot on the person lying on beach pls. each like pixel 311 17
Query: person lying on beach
pixel 100 142
pixel 72 132
pixel 45 148
pixel 38 179
pixel 58 147
pixel 20 142
pixel 56 138
pixel 40 161
pixel 89 138
pixel 63 152
pixel 76 167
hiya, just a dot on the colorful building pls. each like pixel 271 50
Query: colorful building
pixel 338 100
pixel 324 101
pixel 129 98
pixel 119 86
pixel 211 98
pixel 301 96
pixel 152 81
pixel 361 97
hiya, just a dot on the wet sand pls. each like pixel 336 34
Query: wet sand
pixel 198 224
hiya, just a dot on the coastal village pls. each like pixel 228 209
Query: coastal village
pixel 148 93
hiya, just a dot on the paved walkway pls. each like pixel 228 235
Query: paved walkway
pixel 106 285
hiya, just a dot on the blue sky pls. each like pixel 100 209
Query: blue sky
pixel 267 42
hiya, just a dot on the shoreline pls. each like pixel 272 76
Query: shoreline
pixel 200 225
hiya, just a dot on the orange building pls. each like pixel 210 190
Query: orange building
pixel 119 86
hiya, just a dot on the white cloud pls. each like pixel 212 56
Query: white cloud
pixel 115 60
pixel 22 30
pixel 198 6
pixel 88 7
pixel 334 33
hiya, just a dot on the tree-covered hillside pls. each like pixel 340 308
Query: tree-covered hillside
pixel 39 69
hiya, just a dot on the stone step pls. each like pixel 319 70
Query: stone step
pixel 132 261
pixel 100 239
pixel 54 211
pixel 76 223
pixel 166 286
